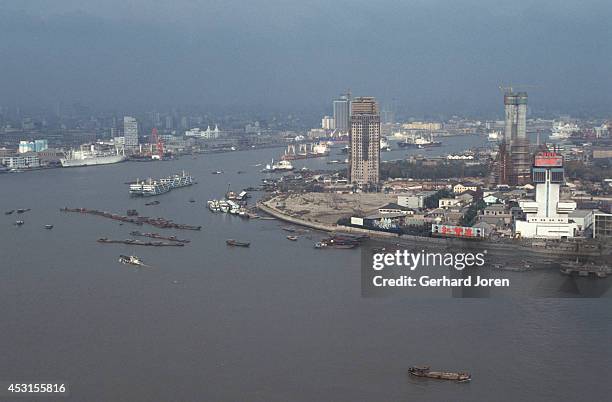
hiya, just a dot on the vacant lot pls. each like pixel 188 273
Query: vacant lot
pixel 328 207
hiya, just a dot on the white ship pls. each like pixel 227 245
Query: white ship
pixel 563 131
pixel 89 156
pixel 281 166
pixel 152 187
pixel 321 148
pixel 495 136
pixel 384 144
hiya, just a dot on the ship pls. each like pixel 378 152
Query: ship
pixel 91 157
pixel 153 187
pixel 424 371
pixel 563 131
pixel 384 144
pixel 495 136
pixel 419 142
pixel 131 260
pixel 232 242
pixel 282 166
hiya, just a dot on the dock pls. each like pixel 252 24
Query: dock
pixel 138 220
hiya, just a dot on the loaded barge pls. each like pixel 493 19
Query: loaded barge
pixel 140 220
pixel 133 242
pixel 158 236
pixel 424 371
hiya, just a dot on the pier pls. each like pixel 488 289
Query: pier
pixel 139 220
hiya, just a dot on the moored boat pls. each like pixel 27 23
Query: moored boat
pixel 424 371
pixel 131 260
pixel 233 242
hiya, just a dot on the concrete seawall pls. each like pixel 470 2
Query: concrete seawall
pixel 319 225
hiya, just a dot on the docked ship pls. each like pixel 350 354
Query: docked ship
pixel 495 136
pixel 305 151
pixel 90 156
pixel 563 131
pixel 384 144
pixel 282 166
pixel 152 187
pixel 419 142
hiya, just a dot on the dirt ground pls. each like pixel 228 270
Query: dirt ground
pixel 329 207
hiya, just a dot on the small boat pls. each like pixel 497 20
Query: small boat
pixel 19 223
pixel 152 203
pixel 424 371
pixel 9 212
pixel 292 238
pixel 241 172
pixel 21 211
pixel 48 227
pixel 217 172
pixel 232 242
pixel 132 212
pixel 131 260
pixel 192 200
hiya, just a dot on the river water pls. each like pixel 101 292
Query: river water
pixel 278 321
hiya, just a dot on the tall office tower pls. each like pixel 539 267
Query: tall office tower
pixel 342 113
pixel 514 157
pixel 130 132
pixel 364 148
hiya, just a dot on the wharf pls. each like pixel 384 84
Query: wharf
pixel 139 220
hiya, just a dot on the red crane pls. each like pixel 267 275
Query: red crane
pixel 156 139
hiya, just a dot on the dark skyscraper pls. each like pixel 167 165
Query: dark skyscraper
pixel 364 149
pixel 342 112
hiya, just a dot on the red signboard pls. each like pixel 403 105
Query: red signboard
pixel 456 231
pixel 548 159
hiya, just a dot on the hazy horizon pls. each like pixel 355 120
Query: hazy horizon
pixel 428 57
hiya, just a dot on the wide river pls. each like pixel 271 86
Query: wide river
pixel 279 321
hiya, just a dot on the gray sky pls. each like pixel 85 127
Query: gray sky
pixel 431 56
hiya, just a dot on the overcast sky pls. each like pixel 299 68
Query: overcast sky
pixel 431 56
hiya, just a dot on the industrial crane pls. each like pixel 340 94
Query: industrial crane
pixel 156 139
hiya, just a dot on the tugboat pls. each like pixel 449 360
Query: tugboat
pixel 131 260
pixel 232 242
pixel 424 371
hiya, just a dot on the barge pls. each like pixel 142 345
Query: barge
pixel 424 371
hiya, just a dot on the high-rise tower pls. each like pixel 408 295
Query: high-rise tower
pixel 364 149
pixel 342 113
pixel 130 132
pixel 514 159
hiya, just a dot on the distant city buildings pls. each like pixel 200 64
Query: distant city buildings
pixel 205 134
pixel 33 146
pixel 328 123
pixel 130 132
pixel 364 147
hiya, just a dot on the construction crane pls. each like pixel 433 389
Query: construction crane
pixel 506 89
pixel 156 139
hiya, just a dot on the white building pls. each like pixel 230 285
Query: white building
pixel 206 134
pixel 22 161
pixel 547 216
pixel 327 123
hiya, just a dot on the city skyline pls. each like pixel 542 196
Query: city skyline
pixel 446 58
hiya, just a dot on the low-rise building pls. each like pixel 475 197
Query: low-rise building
pixel 415 201
pixel 23 161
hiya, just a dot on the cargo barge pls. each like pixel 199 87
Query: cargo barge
pixel 424 371
pixel 139 220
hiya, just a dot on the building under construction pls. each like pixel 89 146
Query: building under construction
pixel 514 157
